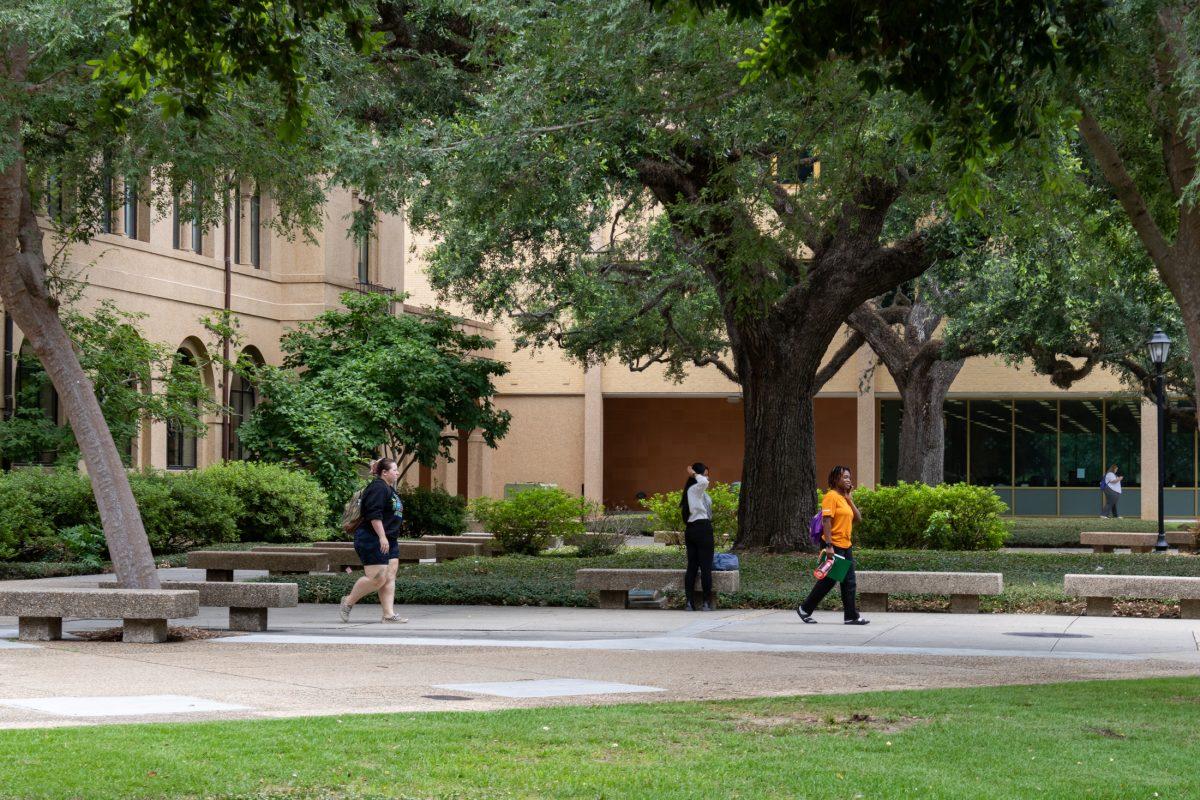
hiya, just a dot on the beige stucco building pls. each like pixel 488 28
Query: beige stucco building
pixel 606 431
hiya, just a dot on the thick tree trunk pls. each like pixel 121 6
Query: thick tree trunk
pixel 23 290
pixel 779 485
pixel 922 433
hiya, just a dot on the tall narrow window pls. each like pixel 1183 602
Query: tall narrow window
pixel 176 221
pixel 255 229
pixel 364 261
pixel 34 390
pixel 242 400
pixel 181 443
pixel 237 222
pixel 131 209
pixel 106 200
pixel 197 226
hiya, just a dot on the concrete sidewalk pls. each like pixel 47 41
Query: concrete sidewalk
pixel 486 657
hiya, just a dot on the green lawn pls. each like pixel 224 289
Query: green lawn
pixel 1033 581
pixel 1064 531
pixel 1096 740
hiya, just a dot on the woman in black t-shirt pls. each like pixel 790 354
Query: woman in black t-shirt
pixel 375 541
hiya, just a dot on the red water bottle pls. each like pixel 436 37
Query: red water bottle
pixel 823 568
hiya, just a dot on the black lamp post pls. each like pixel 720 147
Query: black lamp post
pixel 1159 346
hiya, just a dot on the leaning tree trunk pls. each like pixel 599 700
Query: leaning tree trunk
pixel 922 431
pixel 23 291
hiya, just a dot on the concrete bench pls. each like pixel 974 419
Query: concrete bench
pixel 964 588
pixel 448 551
pixel 411 550
pixel 1137 542
pixel 218 565
pixel 1099 591
pixel 489 544
pixel 144 612
pixel 614 584
pixel 340 558
pixel 247 602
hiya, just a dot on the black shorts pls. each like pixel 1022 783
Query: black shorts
pixel 366 545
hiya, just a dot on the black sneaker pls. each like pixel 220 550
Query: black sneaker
pixel 806 618
pixel 858 621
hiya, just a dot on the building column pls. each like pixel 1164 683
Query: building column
pixel 865 439
pixel 1149 460
pixel 593 433
pixel 479 466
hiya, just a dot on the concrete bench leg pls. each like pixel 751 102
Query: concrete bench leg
pixel 964 604
pixel 1099 606
pixel 873 601
pixel 39 629
pixel 145 631
pixel 1189 609
pixel 218 575
pixel 614 598
pixel 1102 548
pixel 247 619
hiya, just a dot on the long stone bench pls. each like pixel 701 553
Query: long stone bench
pixel 614 584
pixel 218 565
pixel 1099 591
pixel 448 551
pixel 144 612
pixel 340 558
pixel 964 588
pixel 247 602
pixel 488 542
pixel 411 550
pixel 1136 541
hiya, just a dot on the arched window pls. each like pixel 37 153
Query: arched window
pixel 181 443
pixel 242 399
pixel 34 389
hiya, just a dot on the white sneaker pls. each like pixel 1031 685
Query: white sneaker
pixel 344 610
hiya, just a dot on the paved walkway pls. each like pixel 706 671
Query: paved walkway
pixel 485 657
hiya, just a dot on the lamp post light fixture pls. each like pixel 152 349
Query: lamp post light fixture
pixel 1159 347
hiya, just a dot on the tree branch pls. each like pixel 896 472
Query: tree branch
pixel 1113 167
pixel 844 353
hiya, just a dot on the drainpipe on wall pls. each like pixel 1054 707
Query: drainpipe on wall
pixel 225 431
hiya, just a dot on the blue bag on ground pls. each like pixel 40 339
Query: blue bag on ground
pixel 725 562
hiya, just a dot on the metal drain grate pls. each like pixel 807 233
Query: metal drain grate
pixel 1040 635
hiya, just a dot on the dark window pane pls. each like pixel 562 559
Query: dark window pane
pixel 131 210
pixel 242 400
pixel 197 227
pixel 181 444
pixel 1123 439
pixel 1180 450
pixel 1036 435
pixel 1080 443
pixel 890 412
pixel 255 230
pixel 955 464
pixel 175 222
pixel 991 443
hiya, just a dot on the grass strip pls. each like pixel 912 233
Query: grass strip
pixel 1115 740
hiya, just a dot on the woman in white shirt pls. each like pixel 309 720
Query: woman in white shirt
pixel 696 507
pixel 1112 493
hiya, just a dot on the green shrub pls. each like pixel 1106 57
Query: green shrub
pixel 84 544
pixel 21 521
pixel 528 521
pixel 916 516
pixel 274 503
pixel 203 513
pixel 665 512
pixel 432 511
pixel 591 545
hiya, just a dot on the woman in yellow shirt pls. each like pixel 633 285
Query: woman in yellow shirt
pixel 838 517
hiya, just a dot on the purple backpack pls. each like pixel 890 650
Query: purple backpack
pixel 815 529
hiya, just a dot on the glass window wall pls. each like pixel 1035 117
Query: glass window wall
pixel 1081 443
pixel 1035 434
pixel 991 443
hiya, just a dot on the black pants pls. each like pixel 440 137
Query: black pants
pixel 823 587
pixel 1109 503
pixel 699 540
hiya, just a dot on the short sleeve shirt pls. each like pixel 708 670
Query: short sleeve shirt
pixel 841 518
pixel 380 501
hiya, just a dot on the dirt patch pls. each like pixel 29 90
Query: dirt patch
pixel 1107 733
pixel 182 633
pixel 827 723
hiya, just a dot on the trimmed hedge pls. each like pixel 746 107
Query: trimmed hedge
pixel 432 511
pixel 952 516
pixel 665 514
pixel 51 515
pixel 527 521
